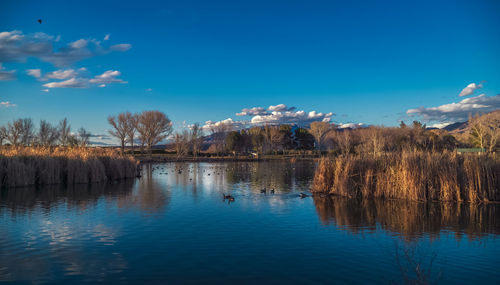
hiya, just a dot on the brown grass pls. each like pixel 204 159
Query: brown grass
pixel 24 166
pixel 420 176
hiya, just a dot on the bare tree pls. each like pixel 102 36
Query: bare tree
pixel 478 131
pixel 273 137
pixel 372 140
pixel 257 138
pixel 47 134
pixel 196 138
pixel 132 120
pixel 27 131
pixel 345 141
pixel 181 145
pixel 83 137
pixel 153 127
pixel 219 132
pixel 64 132
pixel 121 127
pixel 319 130
pixel 4 134
pixel 493 137
pixel 485 130
pixel 15 130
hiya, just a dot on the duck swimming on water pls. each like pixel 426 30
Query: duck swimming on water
pixel 228 197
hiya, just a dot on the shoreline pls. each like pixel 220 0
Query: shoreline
pixel 223 159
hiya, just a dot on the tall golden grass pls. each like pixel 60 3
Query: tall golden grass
pixel 420 176
pixel 24 166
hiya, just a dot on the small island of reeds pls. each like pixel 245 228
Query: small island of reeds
pixel 25 166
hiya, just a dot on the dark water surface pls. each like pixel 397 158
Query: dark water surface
pixel 172 226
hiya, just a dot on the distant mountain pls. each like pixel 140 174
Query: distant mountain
pixel 456 126
pixel 463 127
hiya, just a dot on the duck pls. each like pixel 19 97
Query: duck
pixel 302 195
pixel 229 197
pixel 263 190
pixel 272 191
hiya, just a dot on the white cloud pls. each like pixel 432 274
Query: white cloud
pixel 106 37
pixel 121 47
pixel 350 125
pixel 107 78
pixel 440 125
pixel 7 104
pixel 77 81
pixel 6 74
pixel 470 89
pixel 280 108
pixel 70 83
pixel 45 90
pixel 252 111
pixel 61 74
pixel 16 46
pixel 298 117
pixel 81 43
pixel 37 73
pixel 458 111
pixel 149 90
pixel 278 114
pixel 233 124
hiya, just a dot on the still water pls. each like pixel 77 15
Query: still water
pixel 172 226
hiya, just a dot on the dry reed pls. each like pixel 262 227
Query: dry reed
pixel 24 166
pixel 420 176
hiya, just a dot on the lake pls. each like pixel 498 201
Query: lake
pixel 173 226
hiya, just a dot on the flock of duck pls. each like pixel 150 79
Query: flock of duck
pixel 229 197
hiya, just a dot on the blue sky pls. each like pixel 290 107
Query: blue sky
pixel 364 61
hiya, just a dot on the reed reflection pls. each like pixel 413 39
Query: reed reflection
pixel 148 195
pixel 145 194
pixel 78 197
pixel 409 219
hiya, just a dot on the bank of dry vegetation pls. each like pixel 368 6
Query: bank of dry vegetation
pixel 412 175
pixel 24 166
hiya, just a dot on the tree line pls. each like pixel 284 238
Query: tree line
pixel 482 132
pixel 149 128
pixel 23 132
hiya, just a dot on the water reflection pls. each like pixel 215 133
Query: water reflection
pixel 280 175
pixel 409 219
pixel 146 195
pixel 149 196
pixel 77 197
pixel 173 225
